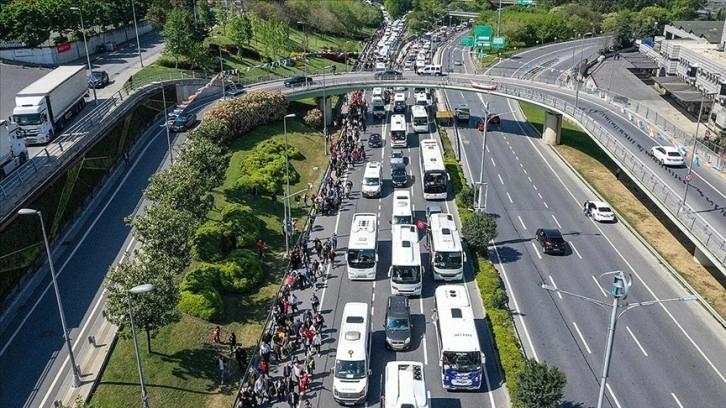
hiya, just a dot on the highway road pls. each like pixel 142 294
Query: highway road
pixel 530 188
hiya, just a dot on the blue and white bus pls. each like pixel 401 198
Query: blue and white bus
pixel 433 171
pixel 460 355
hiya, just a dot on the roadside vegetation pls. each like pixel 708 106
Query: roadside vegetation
pixel 633 206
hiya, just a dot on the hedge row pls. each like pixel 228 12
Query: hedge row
pixel 490 285
pixel 225 250
pixel 264 167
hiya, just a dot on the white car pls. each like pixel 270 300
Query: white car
pixel 600 211
pixel 667 155
pixel 397 157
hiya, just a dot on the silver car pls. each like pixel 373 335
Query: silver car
pixel 397 157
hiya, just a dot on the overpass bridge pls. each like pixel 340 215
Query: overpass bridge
pixel 611 130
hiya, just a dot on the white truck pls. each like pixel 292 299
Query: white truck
pixel 43 107
pixel 405 385
pixel 379 107
pixel 462 112
pixel 13 152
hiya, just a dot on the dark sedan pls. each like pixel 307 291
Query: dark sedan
pixel 388 74
pixel 298 80
pixel 375 140
pixel 98 79
pixel 399 176
pixel 551 241
pixel 183 122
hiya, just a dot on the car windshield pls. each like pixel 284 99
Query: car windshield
pixel 397 135
pixel 406 274
pixel 398 173
pixel 397 324
pixel 448 260
pixel 97 76
pixel 463 361
pixel 397 155
pixel 361 258
pixel 29 119
pixel 371 181
pixel 375 138
pixel 350 369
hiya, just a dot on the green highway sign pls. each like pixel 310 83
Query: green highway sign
pixel 467 41
pixel 483 36
pixel 498 42
pixel 526 2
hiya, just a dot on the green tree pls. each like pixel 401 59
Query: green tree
pixel 479 230
pixel 26 22
pixel 622 34
pixel 426 15
pixel 540 386
pixel 397 8
pixel 206 17
pixel 178 38
pixel 241 29
pixel 152 310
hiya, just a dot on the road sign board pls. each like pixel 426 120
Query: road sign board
pixel 483 32
pixel 498 42
pixel 467 41
pixel 526 2
pixel 689 177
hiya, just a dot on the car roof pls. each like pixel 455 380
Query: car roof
pixel 397 151
pixel 670 149
pixel 600 203
pixel 552 232
pixel 397 304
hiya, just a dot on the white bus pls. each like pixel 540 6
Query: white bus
pixel 420 118
pixel 405 272
pixel 447 253
pixel 362 254
pixel 405 385
pixel 350 376
pixel 402 208
pixel 459 352
pixel 433 171
pixel 398 131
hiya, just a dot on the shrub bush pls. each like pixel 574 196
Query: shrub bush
pixel 245 227
pixel 240 115
pixel 212 241
pixel 264 167
pixel 314 118
pixel 243 273
pixel 212 130
pixel 206 305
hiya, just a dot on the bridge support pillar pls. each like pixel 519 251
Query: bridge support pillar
pixel 701 258
pixel 327 105
pixel 552 127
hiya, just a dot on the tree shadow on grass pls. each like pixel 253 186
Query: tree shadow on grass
pixel 200 362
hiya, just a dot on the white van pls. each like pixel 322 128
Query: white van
pixel 377 92
pixel 421 99
pixel 379 107
pixel 405 385
pixel 399 102
pixel 350 375
pixel 430 70
pixel 402 208
pixel 372 180
pixel 380 66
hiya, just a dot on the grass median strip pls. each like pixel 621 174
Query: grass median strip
pixel 596 167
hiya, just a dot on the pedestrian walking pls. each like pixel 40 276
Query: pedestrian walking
pixel 280 390
pixel 222 368
pixel 232 340
pixel 265 351
pixel 131 82
pixel 294 301
pixel 241 356
pixel 260 247
pixel 260 390
pixel 617 174
pixel 584 207
pixel 292 399
pixel 314 302
pixel 334 241
pixel 273 198
pixel 216 333
pixel 331 255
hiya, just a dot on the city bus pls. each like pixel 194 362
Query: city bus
pixel 398 131
pixel 402 208
pixel 459 352
pixel 420 119
pixel 433 171
pixel 405 272
pixel 362 254
pixel 350 375
pixel 405 385
pixel 446 252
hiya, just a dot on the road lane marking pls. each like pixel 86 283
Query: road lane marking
pixel 513 297
pixel 510 198
pixel 598 286
pixel 545 204
pixel 522 222
pixel 493 163
pixel 536 251
pixel 535 187
pixel 500 178
pixel 579 333
pixel 556 222
pixel 612 394
pixel 552 281
pixel 636 341
pixel 677 400
pixel 540 196
pixel 574 248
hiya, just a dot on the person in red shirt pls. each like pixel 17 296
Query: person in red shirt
pixel 260 247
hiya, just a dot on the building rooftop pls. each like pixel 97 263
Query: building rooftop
pixel 708 30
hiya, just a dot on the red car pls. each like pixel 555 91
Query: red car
pixel 480 126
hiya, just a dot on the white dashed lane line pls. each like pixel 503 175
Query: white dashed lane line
pixel 598 286
pixel 636 341
pixel 579 333
pixel 510 198
pixel 522 222
pixel 556 222
pixel 575 249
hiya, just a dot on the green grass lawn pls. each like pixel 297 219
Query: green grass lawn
pixel 181 371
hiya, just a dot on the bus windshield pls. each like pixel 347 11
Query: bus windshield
pixel 402 219
pixel 361 258
pixel 462 361
pixel 350 369
pixel 435 182
pixel 448 260
pixel 406 274
pixel 398 135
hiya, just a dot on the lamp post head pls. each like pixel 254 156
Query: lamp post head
pixel 146 287
pixel 27 211
pixel 75 9
pixel 290 115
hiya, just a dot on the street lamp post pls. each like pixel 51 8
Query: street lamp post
pixel 147 287
pixel 66 337
pixel 693 152
pixel 85 45
pixel 166 125
pixel 499 18
pixel 621 287
pixel 136 28
pixel 325 109
pixel 480 183
pixel 286 199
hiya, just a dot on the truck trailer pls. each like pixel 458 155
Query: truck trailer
pixel 44 107
pixel 13 152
